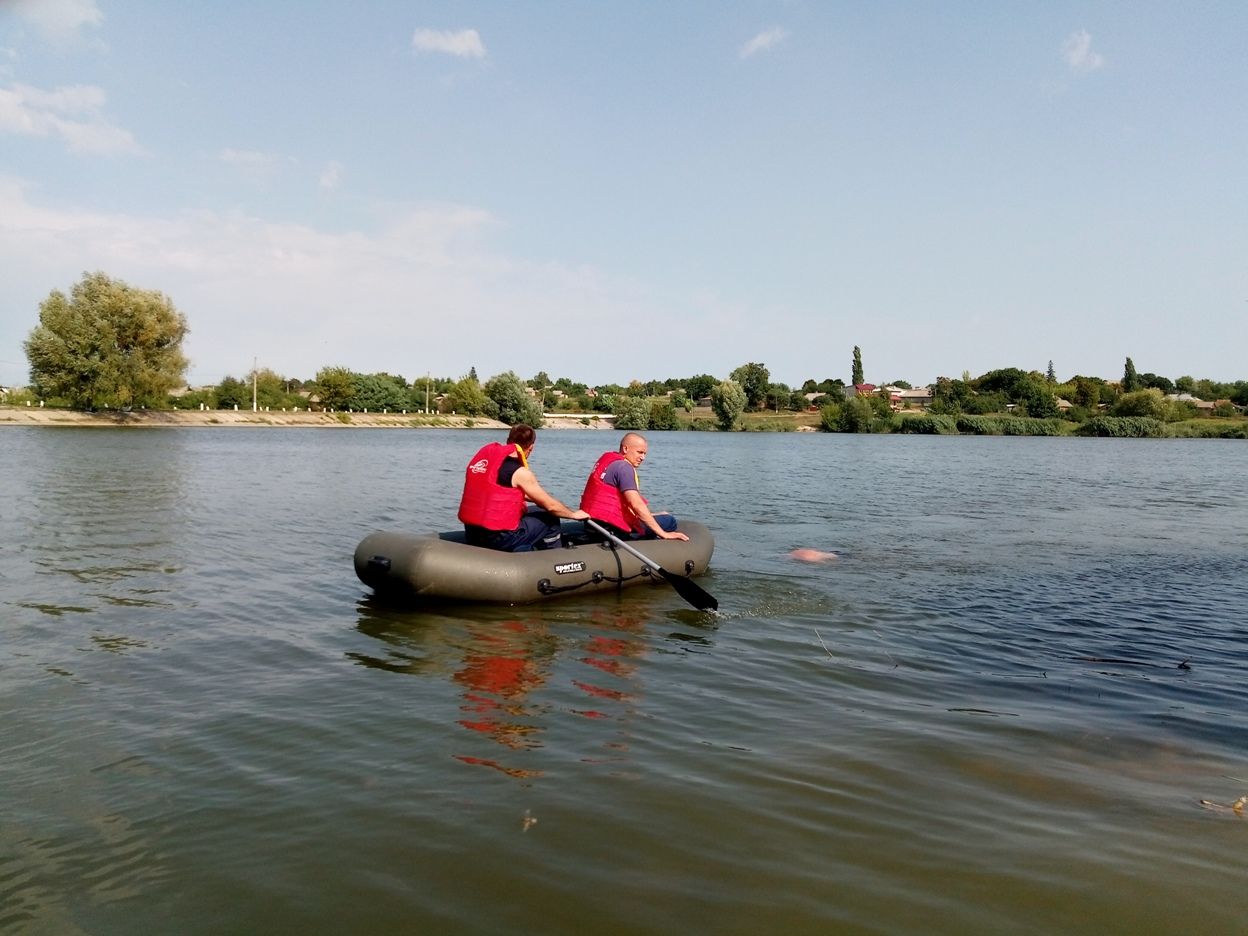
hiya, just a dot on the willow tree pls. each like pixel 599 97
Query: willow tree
pixel 728 402
pixel 107 344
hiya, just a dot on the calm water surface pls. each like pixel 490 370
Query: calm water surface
pixel 997 711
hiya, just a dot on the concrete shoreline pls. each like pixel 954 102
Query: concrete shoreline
pixel 156 419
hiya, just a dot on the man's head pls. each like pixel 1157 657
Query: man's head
pixel 633 447
pixel 522 435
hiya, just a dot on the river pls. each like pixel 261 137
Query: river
pixel 998 710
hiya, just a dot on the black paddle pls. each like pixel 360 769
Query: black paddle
pixel 690 590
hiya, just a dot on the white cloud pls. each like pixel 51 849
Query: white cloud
pixel 58 19
pixel 465 44
pixel 764 42
pixel 71 113
pixel 331 175
pixel 1077 50
pixel 424 291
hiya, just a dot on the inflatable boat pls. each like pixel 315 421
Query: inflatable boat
pixel 442 567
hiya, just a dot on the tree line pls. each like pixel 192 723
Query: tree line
pixel 109 345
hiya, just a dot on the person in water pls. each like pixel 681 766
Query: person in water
pixel 613 495
pixel 497 482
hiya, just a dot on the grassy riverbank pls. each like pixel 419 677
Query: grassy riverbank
pixel 47 416
pixel 701 418
pixel 50 416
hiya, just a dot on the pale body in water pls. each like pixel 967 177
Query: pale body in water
pixel 811 555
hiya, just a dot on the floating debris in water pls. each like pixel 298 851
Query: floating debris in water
pixel 527 822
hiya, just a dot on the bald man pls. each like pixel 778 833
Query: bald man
pixel 613 495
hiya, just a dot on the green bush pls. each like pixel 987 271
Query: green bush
pixel 728 401
pixel 980 425
pixel 857 415
pixel 1208 429
pixel 929 425
pixel 830 416
pixel 1123 427
pixel 1030 426
pixel 1148 404
pixel 663 415
pixel 632 412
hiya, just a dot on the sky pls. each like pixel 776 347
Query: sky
pixel 640 190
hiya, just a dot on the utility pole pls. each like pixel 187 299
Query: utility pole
pixel 253 385
pixel 426 394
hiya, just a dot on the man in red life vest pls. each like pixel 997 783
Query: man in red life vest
pixel 497 482
pixel 613 496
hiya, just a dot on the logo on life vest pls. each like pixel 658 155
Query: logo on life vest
pixel 563 568
pixel 478 467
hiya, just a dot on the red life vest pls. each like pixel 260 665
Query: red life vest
pixel 606 502
pixel 486 503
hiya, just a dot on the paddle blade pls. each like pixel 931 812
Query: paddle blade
pixel 692 592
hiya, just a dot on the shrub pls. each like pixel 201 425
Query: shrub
pixel 728 402
pixel 663 415
pixel 1123 427
pixel 830 416
pixel 1207 429
pixel 632 412
pixel 929 425
pixel 980 425
pixel 1143 403
pixel 857 415
pixel 1029 426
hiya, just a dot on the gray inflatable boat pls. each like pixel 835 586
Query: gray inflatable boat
pixel 442 567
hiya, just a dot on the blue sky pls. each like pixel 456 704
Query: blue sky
pixel 638 190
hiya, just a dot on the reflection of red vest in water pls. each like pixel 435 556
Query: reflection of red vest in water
pixel 486 503
pixel 606 502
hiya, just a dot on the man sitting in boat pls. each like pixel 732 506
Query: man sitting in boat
pixel 497 482
pixel 613 495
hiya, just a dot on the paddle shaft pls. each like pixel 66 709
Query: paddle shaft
pixel 623 545
pixel 688 589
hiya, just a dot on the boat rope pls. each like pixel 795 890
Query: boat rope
pixel 546 588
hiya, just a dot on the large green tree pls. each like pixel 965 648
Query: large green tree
pixel 374 392
pixel 632 412
pixel 754 379
pixel 1037 400
pixel 699 386
pixel 335 387
pixel 232 393
pixel 856 376
pixel 515 405
pixel 107 344
pixel 467 398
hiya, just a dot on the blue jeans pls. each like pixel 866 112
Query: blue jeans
pixel 667 523
pixel 538 529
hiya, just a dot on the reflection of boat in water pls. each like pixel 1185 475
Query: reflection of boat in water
pixel 442 567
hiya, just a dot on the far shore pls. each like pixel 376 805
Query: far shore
pixel 173 419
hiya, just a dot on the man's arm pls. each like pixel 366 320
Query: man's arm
pixel 637 505
pixel 526 481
